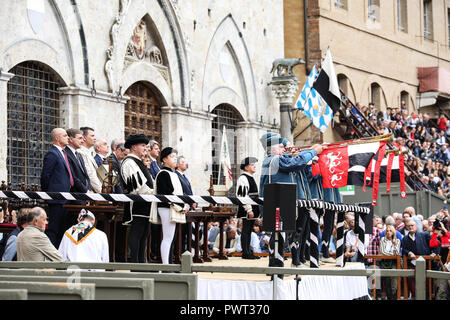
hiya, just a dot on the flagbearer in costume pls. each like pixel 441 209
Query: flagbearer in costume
pixel 281 167
pixel 246 186
pixel 168 214
pixel 83 242
pixel 137 180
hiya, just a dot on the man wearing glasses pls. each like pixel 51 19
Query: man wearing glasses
pixel 415 244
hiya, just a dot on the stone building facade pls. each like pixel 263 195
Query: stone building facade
pixel 377 48
pixel 177 71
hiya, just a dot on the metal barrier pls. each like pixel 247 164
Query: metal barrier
pixel 187 266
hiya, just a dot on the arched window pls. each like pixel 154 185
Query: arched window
pixel 376 95
pixel 227 116
pixel 143 111
pixel 404 97
pixel 33 112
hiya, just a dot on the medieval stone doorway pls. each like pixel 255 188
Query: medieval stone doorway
pixel 143 111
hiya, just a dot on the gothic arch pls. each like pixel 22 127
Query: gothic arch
pixel 145 72
pixel 67 63
pixel 228 37
pixel 163 15
pixel 397 94
pixel 366 88
pixel 350 90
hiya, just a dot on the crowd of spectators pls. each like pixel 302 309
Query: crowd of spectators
pixel 405 233
pixel 424 139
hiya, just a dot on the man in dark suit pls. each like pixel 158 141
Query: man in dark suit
pixel 413 244
pixel 81 182
pixel 118 153
pixel 155 248
pixel 154 154
pixel 182 166
pixel 79 172
pixel 57 176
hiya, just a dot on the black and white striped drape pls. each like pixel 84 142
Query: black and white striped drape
pixel 360 228
pixel 340 245
pixel 206 200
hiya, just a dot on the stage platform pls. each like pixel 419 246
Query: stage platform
pixel 235 286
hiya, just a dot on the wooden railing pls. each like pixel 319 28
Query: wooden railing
pixel 402 261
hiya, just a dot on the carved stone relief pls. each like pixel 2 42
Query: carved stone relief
pixel 143 47
pixel 111 51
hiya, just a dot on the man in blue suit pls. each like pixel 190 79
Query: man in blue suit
pixel 57 176
pixel 414 244
pixel 182 166
pixel 154 154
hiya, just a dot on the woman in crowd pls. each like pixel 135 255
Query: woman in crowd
pixel 389 246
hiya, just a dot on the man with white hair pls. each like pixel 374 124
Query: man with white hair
pixel 412 213
pixel 32 243
pixel 83 242
pixel 101 151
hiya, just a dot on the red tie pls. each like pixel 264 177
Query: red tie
pixel 68 167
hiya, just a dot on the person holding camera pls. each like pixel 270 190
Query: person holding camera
pixel 441 238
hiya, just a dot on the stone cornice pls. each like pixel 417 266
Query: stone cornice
pixel 95 94
pixel 6 76
pixel 256 125
pixel 204 115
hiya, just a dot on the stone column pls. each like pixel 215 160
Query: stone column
pixel 190 131
pixel 285 88
pixel 103 111
pixel 4 78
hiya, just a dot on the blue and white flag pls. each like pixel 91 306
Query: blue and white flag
pixel 312 104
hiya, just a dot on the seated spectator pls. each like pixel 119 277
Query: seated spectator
pixel 10 253
pixel 213 231
pixel 83 242
pixel 32 243
pixel 414 244
pixel 230 241
pixel 262 238
pixel 443 154
pixel 351 243
pixel 389 246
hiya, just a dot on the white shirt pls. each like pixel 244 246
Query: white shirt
pixel 350 239
pixel 92 248
pixel 72 149
pixel 91 168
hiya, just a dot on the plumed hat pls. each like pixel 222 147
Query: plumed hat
pixel 269 139
pixel 248 161
pixel 136 138
pixel 167 151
